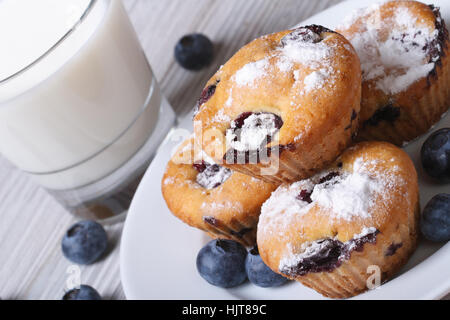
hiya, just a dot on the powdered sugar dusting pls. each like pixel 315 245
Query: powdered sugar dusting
pixel 213 207
pixel 342 195
pixel 284 64
pixel 210 175
pixel 313 54
pixel 253 133
pixel 365 231
pixel 308 249
pixel 169 180
pixel 248 74
pixel 301 46
pixel 221 116
pixel 351 195
pixel 306 53
pixel 213 176
pixel 393 52
pixel 229 101
pixel 316 80
pixel 346 196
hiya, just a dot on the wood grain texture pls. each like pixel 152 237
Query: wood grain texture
pixel 32 223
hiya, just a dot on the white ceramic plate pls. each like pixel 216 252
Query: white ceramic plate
pixel 158 252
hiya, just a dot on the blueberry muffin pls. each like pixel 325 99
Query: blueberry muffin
pixel 284 106
pixel 212 198
pixel 332 231
pixel 403 48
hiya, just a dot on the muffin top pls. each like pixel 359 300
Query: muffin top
pixel 195 186
pixel 398 43
pixel 279 87
pixel 372 186
pixel 202 172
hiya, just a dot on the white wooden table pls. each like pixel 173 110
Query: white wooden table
pixel 32 223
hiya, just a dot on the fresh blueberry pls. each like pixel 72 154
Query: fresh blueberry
pixel 83 293
pixel 222 263
pixel 194 51
pixel 435 220
pixel 259 273
pixel 436 155
pixel 85 242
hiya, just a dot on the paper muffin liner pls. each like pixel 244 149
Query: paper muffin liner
pixel 421 114
pixel 239 230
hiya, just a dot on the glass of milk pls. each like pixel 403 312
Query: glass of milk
pixel 80 109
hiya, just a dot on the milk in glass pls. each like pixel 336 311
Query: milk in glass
pixel 80 109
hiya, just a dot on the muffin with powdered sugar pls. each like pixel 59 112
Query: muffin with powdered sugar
pixel 333 231
pixel 284 106
pixel 403 47
pixel 212 198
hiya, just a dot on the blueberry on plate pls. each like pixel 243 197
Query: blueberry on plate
pixel 222 263
pixel 83 293
pixel 435 220
pixel 194 51
pixel 259 273
pixel 435 155
pixel 85 242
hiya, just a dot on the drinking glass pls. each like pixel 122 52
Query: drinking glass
pixel 85 118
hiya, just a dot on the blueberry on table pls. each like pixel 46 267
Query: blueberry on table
pixel 194 51
pixel 435 220
pixel 222 263
pixel 435 155
pixel 259 273
pixel 83 293
pixel 85 242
